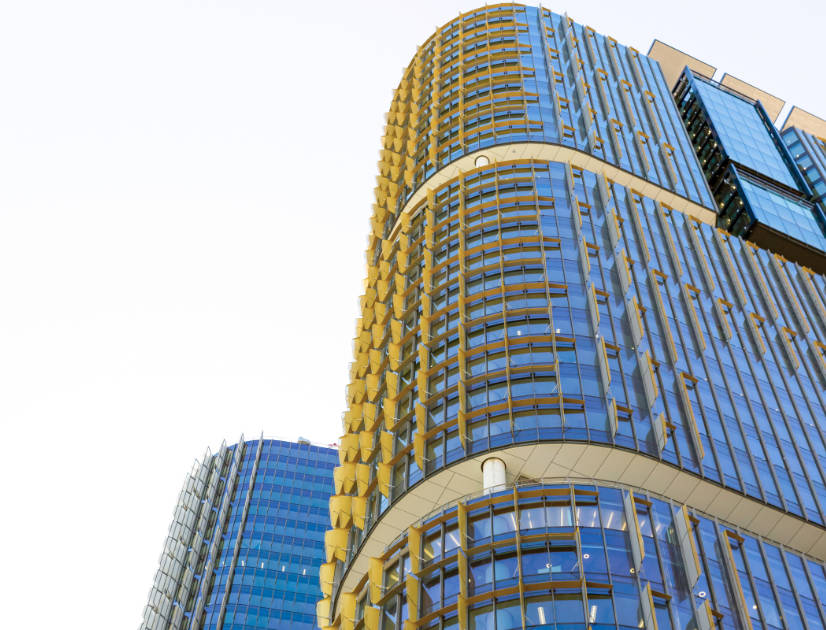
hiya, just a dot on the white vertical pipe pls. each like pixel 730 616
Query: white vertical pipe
pixel 493 474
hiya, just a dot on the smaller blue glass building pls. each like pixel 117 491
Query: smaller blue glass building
pixel 246 541
pixel 760 192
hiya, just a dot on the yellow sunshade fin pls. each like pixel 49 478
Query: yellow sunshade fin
pixel 356 391
pixel 371 618
pixel 394 355
pixel 368 317
pixel 364 341
pixel 381 311
pixel 422 383
pixel 401 282
pixel 362 478
pixel 412 585
pixel 366 445
pixel 421 418
pixel 341 506
pixel 383 472
pixel 359 511
pixel 396 330
pixel 398 306
pixel 372 381
pixel 335 544
pixel 322 612
pixel 375 572
pixel 424 357
pixel 326 576
pixel 344 478
pixel 386 441
pixel 372 274
pixel 369 416
pixel 375 361
pixel 383 289
pixel 414 545
pixel 392 381
pixel 379 335
pixel 352 419
pixel 389 409
pixel 418 452
pixel 347 603
pixel 348 450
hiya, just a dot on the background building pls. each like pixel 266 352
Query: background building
pixel 246 540
pixel 574 401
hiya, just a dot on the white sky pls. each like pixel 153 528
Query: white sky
pixel 185 190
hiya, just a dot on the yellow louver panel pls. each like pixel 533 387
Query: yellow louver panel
pixel 418 452
pixel 335 544
pixel 386 441
pixel 372 381
pixel 375 361
pixel 362 479
pixel 396 330
pixel 369 416
pixel 322 612
pixel 414 545
pixel 344 478
pixel 359 511
pixel 383 472
pixel 356 391
pixel 412 587
pixel 352 420
pixel 366 445
pixel 371 618
pixel 383 289
pixel 348 606
pixel 375 572
pixel 379 335
pixel 348 448
pixel 394 355
pixel 421 383
pixel 389 408
pixel 382 313
pixel 326 575
pixel 340 510
pixel 392 382
pixel 364 341
pixel 398 306
pixel 372 274
pixel 367 318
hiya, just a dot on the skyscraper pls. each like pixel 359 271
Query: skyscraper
pixel 246 540
pixel 575 402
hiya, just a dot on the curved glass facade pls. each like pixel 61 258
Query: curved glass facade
pixel 576 556
pixel 244 549
pixel 511 73
pixel 544 271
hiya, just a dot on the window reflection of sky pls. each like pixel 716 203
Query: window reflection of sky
pixel 743 133
pixel 784 214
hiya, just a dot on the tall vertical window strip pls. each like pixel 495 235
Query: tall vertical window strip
pixel 247 540
pixel 573 401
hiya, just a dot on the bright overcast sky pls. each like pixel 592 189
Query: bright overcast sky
pixel 185 190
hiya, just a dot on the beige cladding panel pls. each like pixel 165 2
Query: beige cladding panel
pixel 771 104
pixel 810 123
pixel 553 153
pixel 672 62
